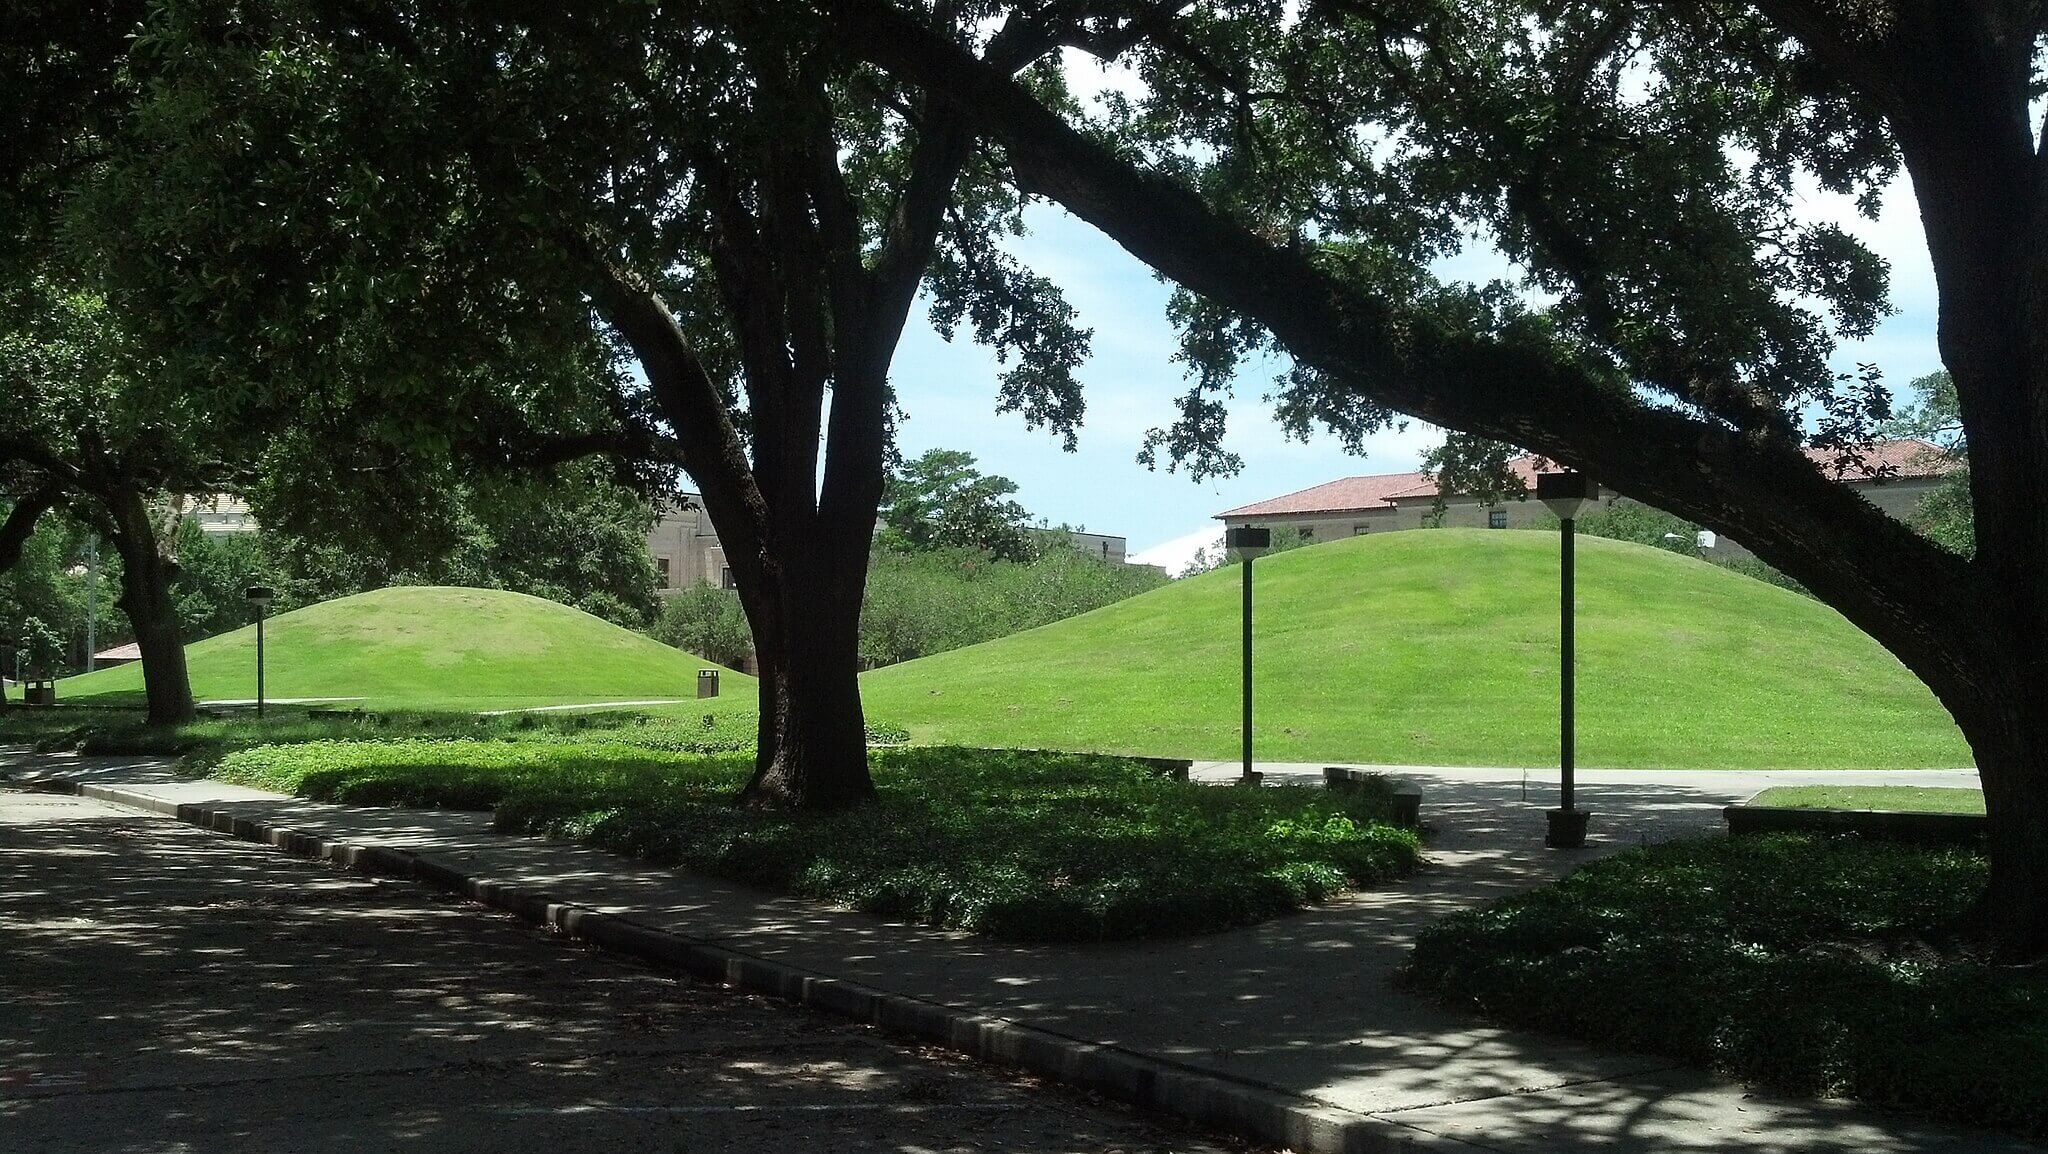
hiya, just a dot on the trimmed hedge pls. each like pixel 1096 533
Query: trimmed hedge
pixel 1027 846
pixel 1810 964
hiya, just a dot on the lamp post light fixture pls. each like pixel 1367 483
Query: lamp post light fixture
pixel 1567 494
pixel 1246 542
pixel 259 596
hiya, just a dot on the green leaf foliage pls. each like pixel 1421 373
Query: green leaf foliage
pixel 1020 845
pixel 1807 964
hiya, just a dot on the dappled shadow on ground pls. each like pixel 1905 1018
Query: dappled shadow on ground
pixel 1304 1003
pixel 169 989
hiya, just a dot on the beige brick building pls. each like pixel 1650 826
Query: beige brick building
pixel 1385 502
pixel 685 547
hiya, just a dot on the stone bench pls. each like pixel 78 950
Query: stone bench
pixel 1899 825
pixel 1406 800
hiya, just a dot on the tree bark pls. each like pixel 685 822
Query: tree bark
pixel 2008 739
pixel 812 749
pixel 146 598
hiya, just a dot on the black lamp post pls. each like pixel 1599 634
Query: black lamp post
pixel 1567 495
pixel 259 596
pixel 1246 543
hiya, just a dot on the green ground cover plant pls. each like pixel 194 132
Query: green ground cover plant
pixel 1820 965
pixel 1915 798
pixel 204 741
pixel 1439 647
pixel 1025 846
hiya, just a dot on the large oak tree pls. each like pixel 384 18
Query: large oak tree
pixel 1642 162
pixel 406 204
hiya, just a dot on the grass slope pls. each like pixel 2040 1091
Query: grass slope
pixel 1441 648
pixel 432 648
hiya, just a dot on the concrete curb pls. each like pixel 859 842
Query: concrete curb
pixel 1246 1109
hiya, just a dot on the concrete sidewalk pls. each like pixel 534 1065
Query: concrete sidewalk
pixel 1298 1010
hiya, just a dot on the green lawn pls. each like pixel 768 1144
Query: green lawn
pixel 1441 648
pixel 1804 963
pixel 429 648
pixel 1916 798
pixel 1033 846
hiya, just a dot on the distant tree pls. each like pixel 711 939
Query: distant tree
pixel 213 578
pixel 1946 515
pixel 922 603
pixel 707 621
pixel 1935 415
pixel 574 535
pixel 1210 557
pixel 941 501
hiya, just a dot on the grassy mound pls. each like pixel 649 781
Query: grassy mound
pixel 429 648
pixel 1441 648
pixel 1027 846
pixel 1808 964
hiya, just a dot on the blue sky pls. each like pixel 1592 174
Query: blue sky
pixel 1131 380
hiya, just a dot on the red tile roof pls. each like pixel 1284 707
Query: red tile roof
pixel 1904 458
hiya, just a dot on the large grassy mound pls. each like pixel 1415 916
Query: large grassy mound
pixel 432 648
pixel 1441 648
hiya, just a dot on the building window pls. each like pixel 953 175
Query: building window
pixel 661 572
pixel 1496 518
pixel 1307 532
pixel 725 578
pixel 1105 550
pixel 1360 530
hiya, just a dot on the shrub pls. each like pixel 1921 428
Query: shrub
pixel 1815 965
pixel 1032 846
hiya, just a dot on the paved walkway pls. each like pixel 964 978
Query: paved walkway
pixel 168 989
pixel 1300 1005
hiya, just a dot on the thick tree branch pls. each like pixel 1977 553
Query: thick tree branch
pixel 21 521
pixel 1761 490
pixel 711 449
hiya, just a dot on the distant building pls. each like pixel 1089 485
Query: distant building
pixel 685 547
pixel 118 655
pixel 1099 545
pixel 218 514
pixel 1897 475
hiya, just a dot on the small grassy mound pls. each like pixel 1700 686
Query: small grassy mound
pixel 1024 846
pixel 433 648
pixel 1440 648
pixel 1808 964
pixel 1911 798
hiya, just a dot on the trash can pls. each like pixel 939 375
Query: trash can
pixel 707 683
pixel 39 691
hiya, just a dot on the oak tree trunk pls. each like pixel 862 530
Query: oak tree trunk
pixel 812 750
pixel 2013 910
pixel 146 598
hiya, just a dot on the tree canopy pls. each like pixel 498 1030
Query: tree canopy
pixel 940 500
